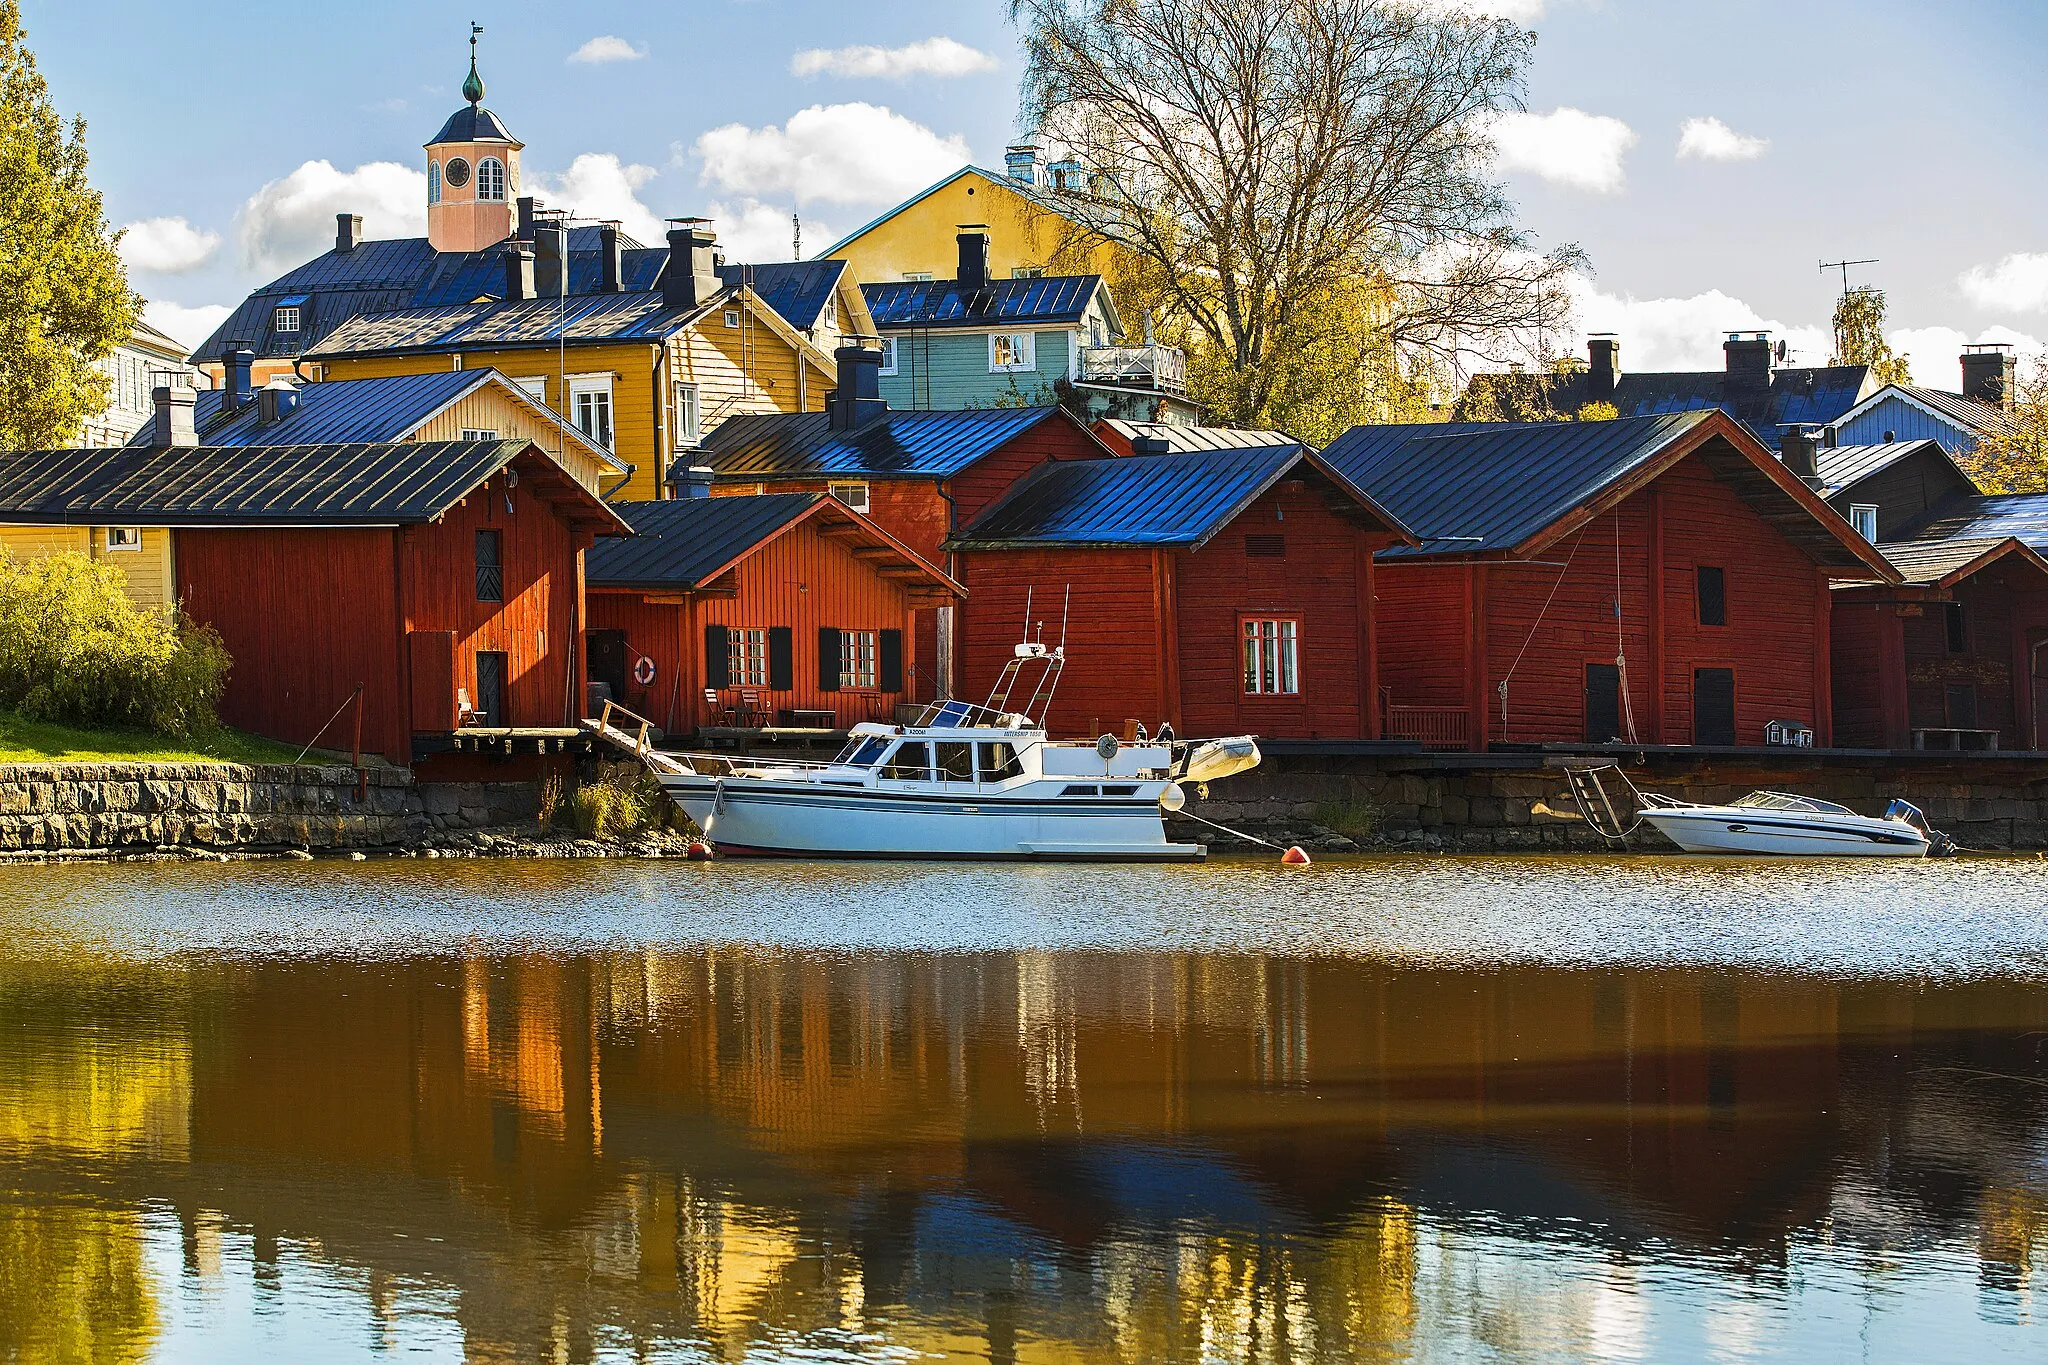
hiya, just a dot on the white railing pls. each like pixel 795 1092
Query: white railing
pixel 1155 367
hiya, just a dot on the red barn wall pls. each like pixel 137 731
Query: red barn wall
pixel 535 626
pixel 1317 582
pixel 1115 648
pixel 1864 644
pixel 801 579
pixel 306 615
pixel 1776 639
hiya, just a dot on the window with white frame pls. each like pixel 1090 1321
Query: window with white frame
pixel 689 417
pixel 732 317
pixel 854 495
pixel 535 388
pixel 1009 352
pixel 590 406
pixel 285 319
pixel 1863 516
pixel 856 659
pixel 479 434
pixel 1027 272
pixel 490 178
pixel 749 655
pixel 433 182
pixel 1272 657
pixel 917 276
pixel 831 314
pixel 887 346
pixel 124 537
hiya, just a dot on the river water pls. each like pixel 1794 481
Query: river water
pixel 1431 1110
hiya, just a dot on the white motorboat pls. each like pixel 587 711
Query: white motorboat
pixel 962 781
pixel 1763 823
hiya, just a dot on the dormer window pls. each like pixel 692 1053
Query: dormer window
pixel 285 318
pixel 490 179
pixel 1863 516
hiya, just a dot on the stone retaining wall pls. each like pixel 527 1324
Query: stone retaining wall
pixel 84 807
pixel 1338 803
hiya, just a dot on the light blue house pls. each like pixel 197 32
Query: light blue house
pixel 977 342
pixel 1900 413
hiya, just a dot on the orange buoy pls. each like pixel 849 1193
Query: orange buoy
pixel 698 852
pixel 1294 857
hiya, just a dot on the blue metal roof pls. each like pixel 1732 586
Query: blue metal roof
pixel 342 410
pixel 1045 300
pixel 1178 499
pixel 679 542
pixel 1806 396
pixel 929 445
pixel 797 290
pixel 2023 516
pixel 530 322
pixel 474 123
pixel 1470 488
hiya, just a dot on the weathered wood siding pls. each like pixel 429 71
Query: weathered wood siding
pixel 306 615
pixel 1864 640
pixel 493 409
pixel 805 579
pixel 1437 619
pixel 1318 582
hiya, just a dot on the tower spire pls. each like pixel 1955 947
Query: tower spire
pixel 473 88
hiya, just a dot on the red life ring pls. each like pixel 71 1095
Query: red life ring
pixel 643 672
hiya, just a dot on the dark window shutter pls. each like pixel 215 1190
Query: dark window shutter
pixel 1603 703
pixel 717 656
pixel 781 660
pixel 828 658
pixel 889 660
pixel 1713 706
pixel 1713 597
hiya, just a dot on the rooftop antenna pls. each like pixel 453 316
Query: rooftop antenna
pixel 1843 266
pixel 796 238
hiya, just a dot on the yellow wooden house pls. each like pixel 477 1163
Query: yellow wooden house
pixel 1024 210
pixel 442 406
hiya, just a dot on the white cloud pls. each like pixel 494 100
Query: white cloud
pixel 598 185
pixel 838 154
pixel 1936 351
pixel 932 57
pixel 2018 283
pixel 167 246
pixel 292 219
pixel 1566 147
pixel 1686 333
pixel 750 230
pixel 1709 139
pixel 606 48
pixel 1523 12
pixel 180 323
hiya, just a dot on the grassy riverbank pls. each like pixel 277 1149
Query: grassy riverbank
pixel 28 741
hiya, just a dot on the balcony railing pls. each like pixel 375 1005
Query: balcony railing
pixel 1433 727
pixel 1149 367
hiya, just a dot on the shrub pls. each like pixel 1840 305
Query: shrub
pixel 75 649
pixel 623 799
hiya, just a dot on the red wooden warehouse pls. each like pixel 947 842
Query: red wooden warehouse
pixel 1650 580
pixel 921 476
pixel 787 609
pixel 426 573
pixel 1224 591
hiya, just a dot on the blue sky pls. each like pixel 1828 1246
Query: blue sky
pixel 1818 129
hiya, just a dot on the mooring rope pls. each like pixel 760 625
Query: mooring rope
pixel 1234 833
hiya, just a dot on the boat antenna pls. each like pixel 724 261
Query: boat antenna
pixel 1064 605
pixel 1027 614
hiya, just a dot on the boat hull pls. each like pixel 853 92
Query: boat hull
pixel 807 819
pixel 1784 834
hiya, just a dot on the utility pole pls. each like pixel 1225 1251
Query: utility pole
pixel 1843 266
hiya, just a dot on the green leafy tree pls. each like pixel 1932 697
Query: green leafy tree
pixel 1859 338
pixel 64 298
pixel 2013 457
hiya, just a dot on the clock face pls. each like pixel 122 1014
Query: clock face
pixel 456 173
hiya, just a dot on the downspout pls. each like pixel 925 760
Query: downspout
pixel 660 356
pixel 952 609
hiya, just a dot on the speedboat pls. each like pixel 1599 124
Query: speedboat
pixel 961 781
pixel 1762 823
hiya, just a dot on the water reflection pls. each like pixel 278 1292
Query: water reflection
pixel 727 1153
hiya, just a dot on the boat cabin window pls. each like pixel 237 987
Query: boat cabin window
pixel 1787 801
pixel 994 762
pixel 912 762
pixel 1073 789
pixel 1119 791
pixel 956 760
pixel 863 752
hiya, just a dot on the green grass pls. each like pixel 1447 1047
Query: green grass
pixel 31 741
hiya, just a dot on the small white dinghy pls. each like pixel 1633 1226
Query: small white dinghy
pixel 1775 824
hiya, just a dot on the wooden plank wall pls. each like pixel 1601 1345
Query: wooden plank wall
pixel 306 615
pixel 1864 643
pixel 804 580
pixel 1115 665
pixel 535 626
pixel 147 571
pixel 1316 582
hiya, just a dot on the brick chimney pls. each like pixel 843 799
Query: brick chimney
pixel 1603 366
pixel 348 231
pixel 690 278
pixel 1749 361
pixel 1796 450
pixel 172 427
pixel 858 399
pixel 1988 374
pixel 518 271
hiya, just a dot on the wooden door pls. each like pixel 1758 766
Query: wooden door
pixel 1603 704
pixel 608 660
pixel 490 689
pixel 1713 706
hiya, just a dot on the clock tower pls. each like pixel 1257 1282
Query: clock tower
pixel 472 173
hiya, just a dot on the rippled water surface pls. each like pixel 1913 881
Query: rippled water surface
pixel 1452 1109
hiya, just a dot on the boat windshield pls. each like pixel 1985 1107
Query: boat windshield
pixel 955 714
pixel 1787 801
pixel 862 752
